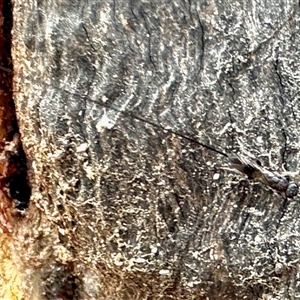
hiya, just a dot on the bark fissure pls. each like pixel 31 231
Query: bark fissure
pixel 14 179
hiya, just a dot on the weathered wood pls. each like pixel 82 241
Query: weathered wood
pixel 124 210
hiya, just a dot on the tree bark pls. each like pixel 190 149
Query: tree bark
pixel 122 209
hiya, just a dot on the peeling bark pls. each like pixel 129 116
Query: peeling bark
pixel 122 209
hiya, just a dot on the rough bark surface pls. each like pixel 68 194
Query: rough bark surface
pixel 121 209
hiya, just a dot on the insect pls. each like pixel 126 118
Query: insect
pixel 245 165
pixel 254 170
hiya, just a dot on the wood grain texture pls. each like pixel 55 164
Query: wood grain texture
pixel 123 210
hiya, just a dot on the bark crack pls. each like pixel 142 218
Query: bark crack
pixel 15 191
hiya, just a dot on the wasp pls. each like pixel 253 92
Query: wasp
pixel 250 167
pixel 256 172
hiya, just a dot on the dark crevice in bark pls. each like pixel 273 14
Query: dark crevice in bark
pixel 66 288
pixel 13 172
pixel 150 54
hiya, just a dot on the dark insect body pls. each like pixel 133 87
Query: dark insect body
pixel 256 172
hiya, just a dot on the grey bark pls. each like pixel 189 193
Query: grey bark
pixel 122 209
